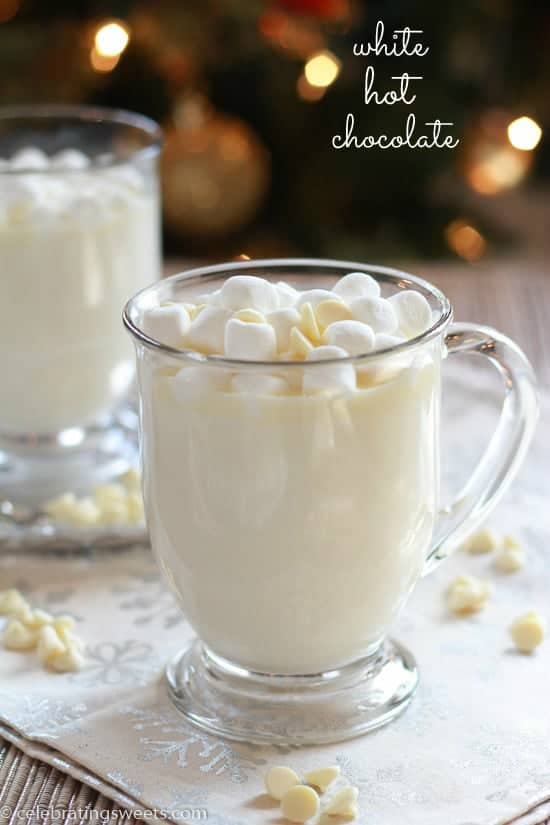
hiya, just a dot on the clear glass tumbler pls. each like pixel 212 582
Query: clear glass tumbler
pixel 292 527
pixel 79 234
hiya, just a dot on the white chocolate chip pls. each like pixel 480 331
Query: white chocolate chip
pixel 250 342
pixel 510 559
pixel 85 513
pixel 299 345
pixel 413 312
pixel 49 645
pixel 251 316
pixel 69 661
pixel 357 285
pixel 279 780
pixel 12 602
pixel 483 541
pixel 38 619
pixel 378 313
pixel 308 323
pixel 113 511
pixel 331 311
pixel 18 637
pixel 343 803
pixel 300 803
pixel 131 480
pixel 512 543
pixel 322 777
pixel 282 321
pixel 61 508
pixel 468 594
pixel 353 336
pixel 168 324
pixel 136 512
pixel 528 631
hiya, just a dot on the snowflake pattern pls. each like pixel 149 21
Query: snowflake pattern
pixel 145 595
pixel 117 663
pixel 42 718
pixel 176 739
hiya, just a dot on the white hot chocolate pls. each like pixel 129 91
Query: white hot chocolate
pixel 291 504
pixel 75 242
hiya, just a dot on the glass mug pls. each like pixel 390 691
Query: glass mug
pixel 79 234
pixel 292 528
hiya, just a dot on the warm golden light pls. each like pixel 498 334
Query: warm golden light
pixel 242 257
pixel 111 39
pixel 100 63
pixel 501 168
pixel 8 9
pixel 308 92
pixel 524 133
pixel 465 240
pixel 322 69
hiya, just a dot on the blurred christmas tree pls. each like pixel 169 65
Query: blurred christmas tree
pixel 249 117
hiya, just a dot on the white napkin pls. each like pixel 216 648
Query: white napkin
pixel 473 748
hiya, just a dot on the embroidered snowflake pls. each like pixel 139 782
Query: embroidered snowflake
pixel 117 663
pixel 46 718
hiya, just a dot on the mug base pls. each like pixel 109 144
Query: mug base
pixel 235 703
pixel 34 469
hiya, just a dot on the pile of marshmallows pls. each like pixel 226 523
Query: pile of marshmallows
pixel 58 647
pixel 252 319
pixel 300 802
pixel 39 198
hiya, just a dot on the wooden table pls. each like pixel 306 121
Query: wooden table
pixel 512 296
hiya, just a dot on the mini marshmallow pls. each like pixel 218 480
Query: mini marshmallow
pixel 250 316
pixel 69 159
pixel 332 377
pixel 353 336
pixel 279 780
pixel 193 381
pixel 328 312
pixel 242 291
pixel 12 602
pixel 467 594
pixel 414 314
pixel 18 637
pixel 528 631
pixel 49 645
pixel 322 777
pixel 314 297
pixel 308 323
pixel 299 345
pixel 482 541
pixel 378 313
pixel 384 341
pixel 356 285
pixel 259 384
pixel 282 321
pixel 30 158
pixel 168 324
pixel 300 803
pixel 250 342
pixel 207 330
pixel 286 294
pixel 343 803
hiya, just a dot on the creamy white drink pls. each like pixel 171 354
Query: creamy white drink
pixel 75 242
pixel 291 505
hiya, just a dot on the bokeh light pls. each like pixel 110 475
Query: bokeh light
pixel 111 39
pixel 8 9
pixel 524 133
pixel 322 69
pixel 307 92
pixel 102 63
pixel 465 240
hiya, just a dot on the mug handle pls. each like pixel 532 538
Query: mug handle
pixel 508 445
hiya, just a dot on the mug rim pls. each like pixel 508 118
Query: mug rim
pixel 90 115
pixel 388 274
